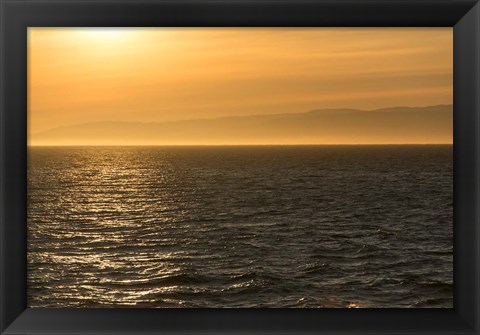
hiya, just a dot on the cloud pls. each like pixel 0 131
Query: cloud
pixel 165 74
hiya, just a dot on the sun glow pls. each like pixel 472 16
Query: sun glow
pixel 154 75
pixel 106 34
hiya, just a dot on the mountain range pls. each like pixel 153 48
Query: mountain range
pixel 396 125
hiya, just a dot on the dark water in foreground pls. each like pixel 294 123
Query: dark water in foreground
pixel 302 226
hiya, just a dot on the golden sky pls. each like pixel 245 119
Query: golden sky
pixel 82 75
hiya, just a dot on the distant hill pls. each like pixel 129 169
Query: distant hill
pixel 433 124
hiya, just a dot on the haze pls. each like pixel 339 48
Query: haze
pixel 131 76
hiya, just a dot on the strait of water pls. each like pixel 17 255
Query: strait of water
pixel 246 226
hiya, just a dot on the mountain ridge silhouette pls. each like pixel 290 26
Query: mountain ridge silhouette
pixel 429 124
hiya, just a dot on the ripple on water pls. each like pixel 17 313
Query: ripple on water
pixel 319 226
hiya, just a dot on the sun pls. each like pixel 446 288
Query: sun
pixel 109 32
pixel 106 34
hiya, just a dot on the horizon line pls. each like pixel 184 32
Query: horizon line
pixel 234 145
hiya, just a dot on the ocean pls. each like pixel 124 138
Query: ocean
pixel 241 226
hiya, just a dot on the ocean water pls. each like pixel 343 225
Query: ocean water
pixel 266 226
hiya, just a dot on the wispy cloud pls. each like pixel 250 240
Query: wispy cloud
pixel 81 75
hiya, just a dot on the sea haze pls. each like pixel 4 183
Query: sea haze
pixel 240 226
pixel 396 125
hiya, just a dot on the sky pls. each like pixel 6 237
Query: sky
pixel 84 75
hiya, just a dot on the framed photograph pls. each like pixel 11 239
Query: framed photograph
pixel 239 167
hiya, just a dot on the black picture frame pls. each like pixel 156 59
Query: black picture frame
pixel 16 16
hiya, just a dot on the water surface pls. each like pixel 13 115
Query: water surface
pixel 266 226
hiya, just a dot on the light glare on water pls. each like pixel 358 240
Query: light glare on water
pixel 299 226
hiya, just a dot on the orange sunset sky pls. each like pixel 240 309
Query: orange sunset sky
pixel 88 75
